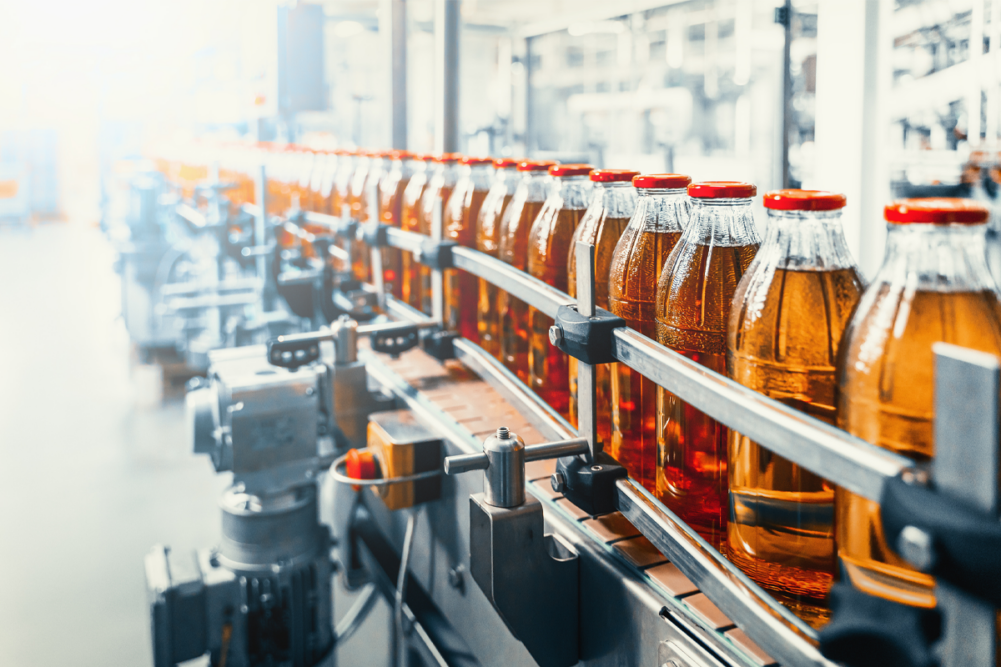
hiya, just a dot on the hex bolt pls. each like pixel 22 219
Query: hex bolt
pixel 455 576
pixel 917 548
pixel 558 482
pixel 556 335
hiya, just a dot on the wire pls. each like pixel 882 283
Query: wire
pixel 401 589
pixel 344 479
pixel 356 615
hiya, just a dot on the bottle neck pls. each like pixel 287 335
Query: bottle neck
pixel 941 258
pixel 721 222
pixel 481 176
pixel 661 211
pixel 805 240
pixel 535 185
pixel 574 191
pixel 509 177
pixel 616 199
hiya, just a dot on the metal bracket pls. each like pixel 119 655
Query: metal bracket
pixel 436 254
pixel 374 234
pixel 587 339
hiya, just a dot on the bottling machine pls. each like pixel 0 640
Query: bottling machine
pixel 500 535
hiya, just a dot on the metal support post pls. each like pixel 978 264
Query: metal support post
pixel 446 65
pixel 260 222
pixel 967 434
pixel 786 90
pixel 587 389
pixel 393 26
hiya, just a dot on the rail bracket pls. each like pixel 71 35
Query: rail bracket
pixel 589 486
pixel 588 339
pixel 439 344
pixel 436 254
pixel 962 543
pixel 395 341
pixel 375 234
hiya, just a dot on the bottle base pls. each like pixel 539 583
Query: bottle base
pixel 802 591
pixel 891 583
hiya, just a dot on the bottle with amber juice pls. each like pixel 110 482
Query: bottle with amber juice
pixel 612 205
pixel 786 323
pixel 459 224
pixel 661 214
pixel 439 189
pixel 694 295
pixel 934 285
pixel 505 180
pixel 512 247
pixel 391 188
pixel 410 221
pixel 548 248
pixel 358 211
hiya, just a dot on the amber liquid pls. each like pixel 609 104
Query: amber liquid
pixel 427 218
pixel 488 317
pixel 358 201
pixel 548 249
pixel 886 397
pixel 513 249
pixel 410 219
pixel 391 213
pixel 461 288
pixel 781 530
pixel 602 232
pixel 632 295
pixel 692 447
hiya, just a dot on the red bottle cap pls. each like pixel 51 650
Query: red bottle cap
pixel 535 165
pixel 507 162
pixel 447 157
pixel 559 170
pixel 401 155
pixel 345 151
pixel 804 200
pixel 424 157
pixel 473 161
pixel 722 190
pixel 612 175
pixel 938 210
pixel 662 181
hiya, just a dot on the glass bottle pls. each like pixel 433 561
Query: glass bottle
pixel 323 181
pixel 612 205
pixel 391 189
pixel 501 192
pixel 459 225
pixel 440 185
pixel 661 214
pixel 339 202
pixel 694 294
pixel 512 247
pixel 361 258
pixel 548 248
pixel 786 322
pixel 306 163
pixel 358 211
pixel 410 212
pixel 934 285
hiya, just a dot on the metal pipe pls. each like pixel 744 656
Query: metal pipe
pixel 446 56
pixel 555 450
pixel 260 221
pixel 531 290
pixel 787 10
pixel 393 23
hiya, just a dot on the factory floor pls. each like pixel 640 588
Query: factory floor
pixel 95 467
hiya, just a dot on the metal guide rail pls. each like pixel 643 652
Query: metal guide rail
pixel 827 451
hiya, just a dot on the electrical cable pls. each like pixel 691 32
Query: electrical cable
pixel 401 589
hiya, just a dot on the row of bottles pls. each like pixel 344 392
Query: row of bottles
pixel 788 316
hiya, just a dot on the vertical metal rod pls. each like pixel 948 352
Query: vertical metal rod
pixel 973 96
pixel 786 93
pixel 437 277
pixel 587 387
pixel 530 142
pixel 446 55
pixel 260 223
pixel 393 23
pixel 967 431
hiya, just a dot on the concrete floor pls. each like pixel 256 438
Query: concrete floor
pixel 89 479
pixel 95 469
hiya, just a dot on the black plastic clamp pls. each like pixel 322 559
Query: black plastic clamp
pixel 588 339
pixel 375 234
pixel 964 542
pixel 436 254
pixel 867 631
pixel 589 486
pixel 347 229
pixel 292 352
pixel 297 217
pixel 439 344
pixel 395 340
